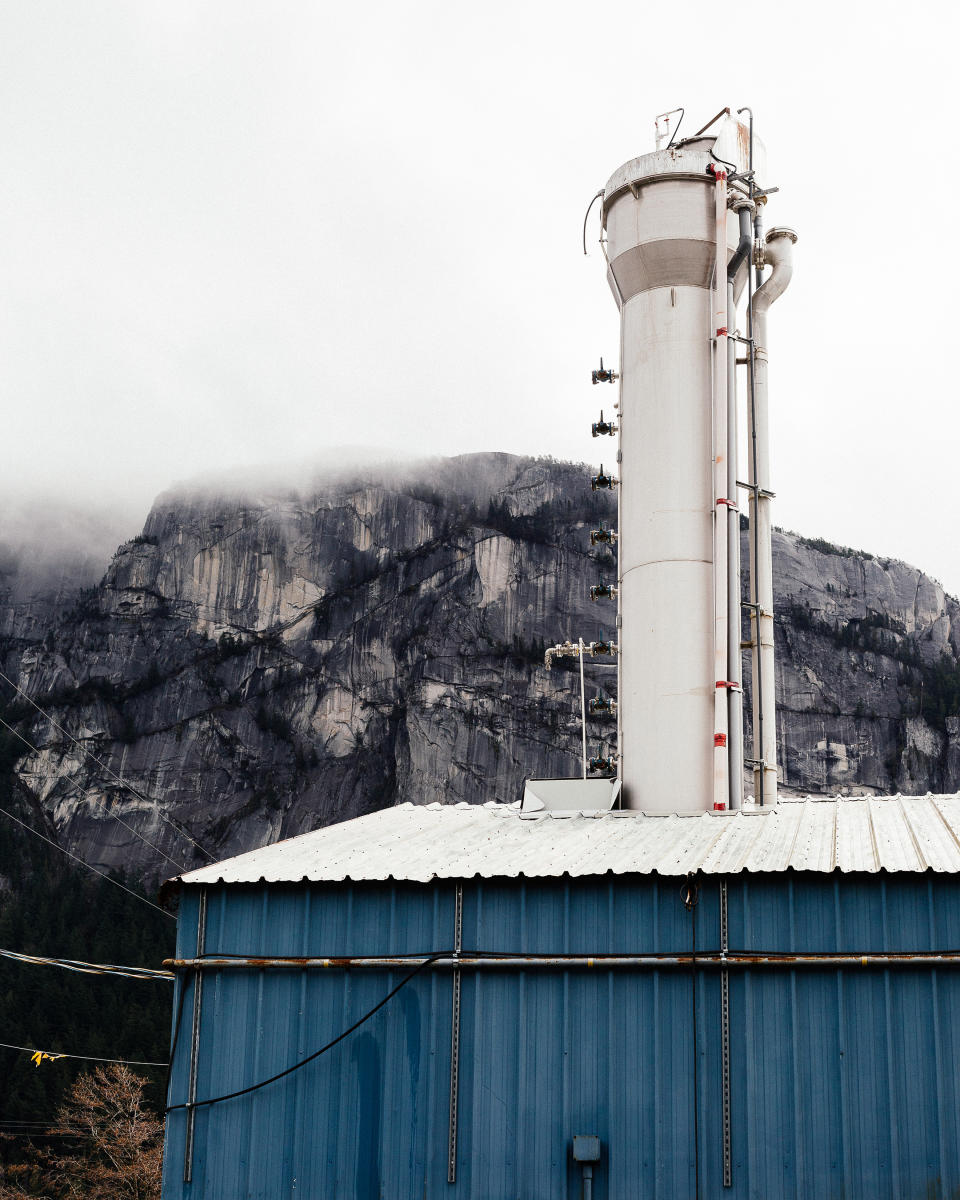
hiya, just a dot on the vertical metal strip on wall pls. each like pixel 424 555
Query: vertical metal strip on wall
pixel 195 1039
pixel 455 1042
pixel 725 1042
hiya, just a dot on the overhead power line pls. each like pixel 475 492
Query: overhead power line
pixel 85 968
pixel 100 801
pixel 54 1054
pixel 44 1133
pixel 100 763
pixel 102 874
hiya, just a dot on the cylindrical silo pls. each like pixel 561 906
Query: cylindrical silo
pixel 661 215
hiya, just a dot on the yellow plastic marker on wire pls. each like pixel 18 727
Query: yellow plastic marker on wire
pixel 38 1056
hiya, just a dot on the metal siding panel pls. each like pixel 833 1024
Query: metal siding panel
pixel 842 1084
pixel 258 1022
pixel 867 1084
pixel 946 1000
pixel 911 1052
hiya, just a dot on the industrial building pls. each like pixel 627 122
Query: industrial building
pixel 752 999
pixel 635 983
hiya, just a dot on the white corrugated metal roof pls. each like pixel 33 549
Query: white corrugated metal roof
pixel 416 842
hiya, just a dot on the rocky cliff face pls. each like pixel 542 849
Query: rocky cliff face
pixel 253 666
pixel 868 686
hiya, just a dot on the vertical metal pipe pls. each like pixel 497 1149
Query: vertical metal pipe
pixel 778 254
pixel 758 240
pixel 734 658
pixel 721 510
pixel 455 1041
pixel 726 1116
pixel 583 711
pixel 619 624
pixel 195 1039
pixel 753 542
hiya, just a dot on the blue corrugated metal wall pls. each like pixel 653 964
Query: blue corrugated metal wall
pixel 843 1084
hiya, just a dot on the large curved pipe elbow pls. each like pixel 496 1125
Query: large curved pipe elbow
pixel 778 253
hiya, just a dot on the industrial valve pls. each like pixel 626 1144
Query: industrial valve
pixel 602 764
pixel 601 647
pixel 601 705
pixel 602 591
pixel 604 375
pixel 602 427
pixel 577 649
pixel 602 537
pixel 601 481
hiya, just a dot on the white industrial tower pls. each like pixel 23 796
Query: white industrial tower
pixel 682 236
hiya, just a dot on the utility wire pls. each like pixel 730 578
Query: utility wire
pixel 127 1062
pixel 310 1057
pixel 85 750
pixel 100 801
pixel 37 1123
pixel 85 968
pixel 115 882
pixel 28 1133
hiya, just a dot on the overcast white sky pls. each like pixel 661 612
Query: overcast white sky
pixel 238 232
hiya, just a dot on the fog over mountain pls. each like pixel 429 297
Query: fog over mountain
pixel 266 656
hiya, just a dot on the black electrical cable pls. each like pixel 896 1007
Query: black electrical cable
pixel 681 111
pixel 253 1087
pixel 586 217
pixel 717 158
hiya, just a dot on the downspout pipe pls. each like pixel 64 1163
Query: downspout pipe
pixel 745 213
pixel 734 661
pixel 734 655
pixel 777 254
pixel 721 337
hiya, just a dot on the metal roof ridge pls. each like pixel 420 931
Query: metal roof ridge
pixel 720 834
pixel 905 817
pixel 422 842
pixel 796 831
pixel 943 818
pixel 873 836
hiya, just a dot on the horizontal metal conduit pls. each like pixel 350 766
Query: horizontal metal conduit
pixel 564 962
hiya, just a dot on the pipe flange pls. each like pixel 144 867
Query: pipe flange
pixel 738 202
pixel 782 231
